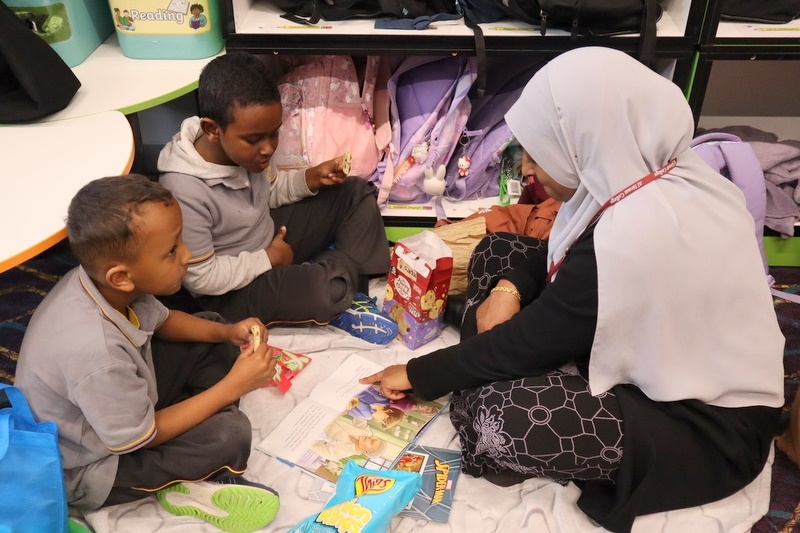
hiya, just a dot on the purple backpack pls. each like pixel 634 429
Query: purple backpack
pixel 429 107
pixel 474 170
pixel 735 160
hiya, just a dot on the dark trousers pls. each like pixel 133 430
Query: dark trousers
pixel 338 241
pixel 218 446
pixel 537 426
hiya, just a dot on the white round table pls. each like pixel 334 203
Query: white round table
pixel 43 165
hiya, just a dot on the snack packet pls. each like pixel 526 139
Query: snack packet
pixel 364 502
pixel 287 366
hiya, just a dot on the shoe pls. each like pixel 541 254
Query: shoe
pixel 234 505
pixel 365 321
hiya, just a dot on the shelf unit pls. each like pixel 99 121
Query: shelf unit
pixel 763 62
pixel 723 41
pixel 691 39
pixel 257 27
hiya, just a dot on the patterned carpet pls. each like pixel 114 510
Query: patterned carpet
pixel 21 290
pixel 784 509
pixel 23 287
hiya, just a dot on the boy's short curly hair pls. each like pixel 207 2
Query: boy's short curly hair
pixel 102 218
pixel 237 78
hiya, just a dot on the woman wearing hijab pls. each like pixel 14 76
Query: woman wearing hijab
pixel 651 288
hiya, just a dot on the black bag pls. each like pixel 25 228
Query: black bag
pixel 764 11
pixel 311 11
pixel 481 11
pixel 34 80
pixel 585 17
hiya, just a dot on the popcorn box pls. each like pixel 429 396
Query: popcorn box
pixel 416 289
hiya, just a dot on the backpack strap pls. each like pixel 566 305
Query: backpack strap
pixel 480 54
pixel 381 104
pixel 647 33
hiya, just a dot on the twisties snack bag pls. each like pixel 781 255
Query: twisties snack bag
pixel 364 502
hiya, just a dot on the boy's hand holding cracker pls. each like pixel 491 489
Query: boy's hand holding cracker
pixel 326 174
pixel 253 368
pixel 243 333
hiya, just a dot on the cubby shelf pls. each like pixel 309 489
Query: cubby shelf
pixel 690 39
pixel 258 27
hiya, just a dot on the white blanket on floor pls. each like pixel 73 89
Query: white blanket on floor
pixel 535 506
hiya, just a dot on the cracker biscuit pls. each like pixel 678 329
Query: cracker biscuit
pixel 347 159
pixel 256 331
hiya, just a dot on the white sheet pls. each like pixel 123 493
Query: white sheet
pixel 535 506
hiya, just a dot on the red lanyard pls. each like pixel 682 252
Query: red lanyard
pixel 627 191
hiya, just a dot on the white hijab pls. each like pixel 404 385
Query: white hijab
pixel 684 310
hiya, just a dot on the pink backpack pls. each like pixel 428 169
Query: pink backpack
pixel 429 110
pixel 326 113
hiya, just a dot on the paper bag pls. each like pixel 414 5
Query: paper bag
pixel 416 289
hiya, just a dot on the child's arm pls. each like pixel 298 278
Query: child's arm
pixel 325 174
pixel 183 327
pixel 250 371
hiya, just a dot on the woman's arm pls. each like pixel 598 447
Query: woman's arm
pixel 556 328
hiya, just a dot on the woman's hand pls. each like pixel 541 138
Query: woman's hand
pixel 393 381
pixel 497 308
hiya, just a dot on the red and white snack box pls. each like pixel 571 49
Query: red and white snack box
pixel 416 290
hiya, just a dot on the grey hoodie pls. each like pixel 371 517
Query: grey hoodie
pixel 226 220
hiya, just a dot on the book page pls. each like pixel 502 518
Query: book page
pixel 343 420
pixel 342 385
pixel 295 433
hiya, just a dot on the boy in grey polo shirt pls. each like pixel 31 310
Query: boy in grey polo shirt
pixel 288 247
pixel 135 417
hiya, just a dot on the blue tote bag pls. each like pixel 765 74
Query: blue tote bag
pixel 32 496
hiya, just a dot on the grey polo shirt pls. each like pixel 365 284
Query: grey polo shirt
pixel 86 367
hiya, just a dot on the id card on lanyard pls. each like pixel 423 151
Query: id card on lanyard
pixel 621 195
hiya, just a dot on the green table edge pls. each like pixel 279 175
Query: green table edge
pixel 161 99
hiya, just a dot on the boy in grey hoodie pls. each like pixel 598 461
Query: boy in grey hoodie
pixel 287 247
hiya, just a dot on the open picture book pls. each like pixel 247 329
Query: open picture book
pixel 343 420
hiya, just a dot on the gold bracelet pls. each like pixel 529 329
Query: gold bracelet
pixel 509 290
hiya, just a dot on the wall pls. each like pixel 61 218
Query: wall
pixel 763 94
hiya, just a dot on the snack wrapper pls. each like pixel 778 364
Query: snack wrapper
pixel 287 366
pixel 364 502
